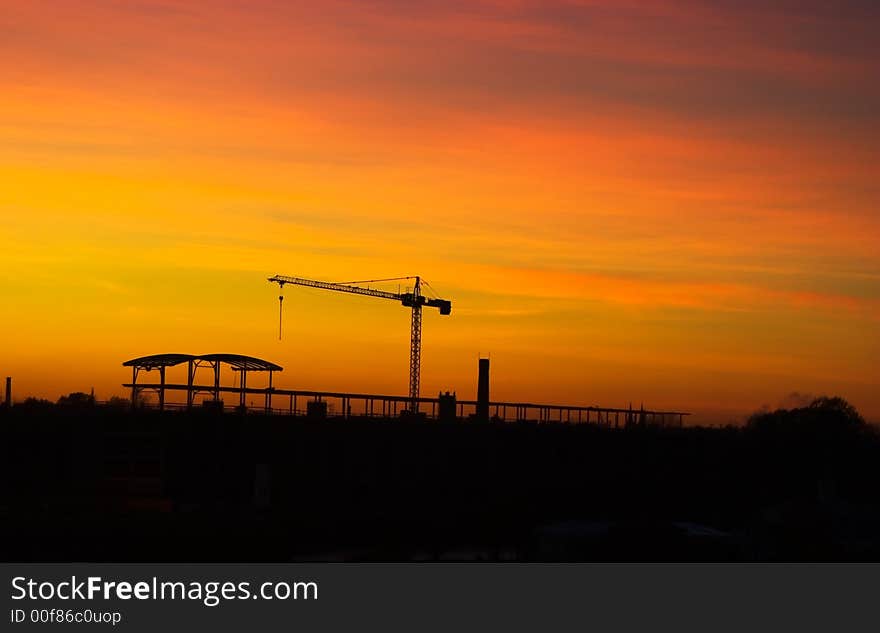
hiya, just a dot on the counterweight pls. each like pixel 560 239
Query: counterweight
pixel 414 300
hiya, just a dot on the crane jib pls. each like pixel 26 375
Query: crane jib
pixel 408 299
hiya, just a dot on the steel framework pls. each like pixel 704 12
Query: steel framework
pixel 388 406
pixel 366 405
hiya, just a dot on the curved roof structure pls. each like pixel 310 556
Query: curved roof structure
pixel 236 361
pixel 158 360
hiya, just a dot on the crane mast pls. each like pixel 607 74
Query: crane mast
pixel 414 300
pixel 415 348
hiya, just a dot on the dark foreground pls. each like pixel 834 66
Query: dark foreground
pixel 93 483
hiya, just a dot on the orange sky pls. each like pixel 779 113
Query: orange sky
pixel 669 202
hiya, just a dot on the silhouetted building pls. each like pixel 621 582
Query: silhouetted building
pixel 446 407
pixel 483 391
pixel 8 400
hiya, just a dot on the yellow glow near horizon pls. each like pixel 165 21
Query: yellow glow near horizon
pixel 617 215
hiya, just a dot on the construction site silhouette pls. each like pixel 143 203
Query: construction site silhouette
pixel 105 482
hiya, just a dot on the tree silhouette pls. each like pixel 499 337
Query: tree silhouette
pixel 36 403
pixel 824 419
pixel 117 402
pixel 77 399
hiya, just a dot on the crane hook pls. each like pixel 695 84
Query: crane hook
pixel 280 305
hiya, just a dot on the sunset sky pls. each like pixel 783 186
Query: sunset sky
pixel 668 202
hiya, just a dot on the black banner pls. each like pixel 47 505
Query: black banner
pixel 416 597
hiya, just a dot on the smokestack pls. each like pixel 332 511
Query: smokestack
pixel 483 391
pixel 8 400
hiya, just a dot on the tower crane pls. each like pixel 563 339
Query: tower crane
pixel 414 300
